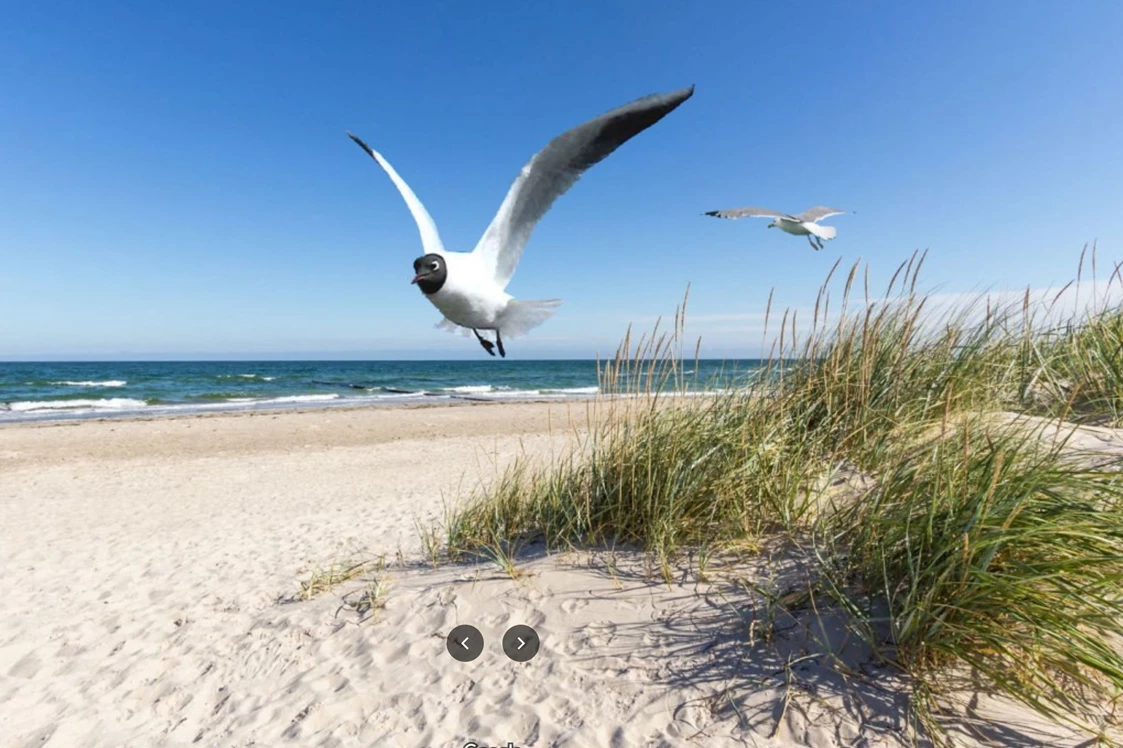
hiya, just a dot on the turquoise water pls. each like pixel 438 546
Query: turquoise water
pixel 52 391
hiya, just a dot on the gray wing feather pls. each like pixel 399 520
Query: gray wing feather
pixel 819 213
pixel 556 168
pixel 748 213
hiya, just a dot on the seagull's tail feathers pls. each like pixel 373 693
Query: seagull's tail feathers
pixel 523 316
pixel 826 233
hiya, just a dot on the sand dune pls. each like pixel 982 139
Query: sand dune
pixel 150 566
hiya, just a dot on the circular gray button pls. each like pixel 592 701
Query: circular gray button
pixel 465 643
pixel 520 643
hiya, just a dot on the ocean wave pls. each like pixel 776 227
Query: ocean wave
pixel 487 392
pixel 502 394
pixel 258 377
pixel 107 407
pixel 111 403
pixel 106 383
pixel 393 390
pixel 470 389
pixel 300 399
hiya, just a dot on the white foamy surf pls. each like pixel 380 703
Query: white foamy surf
pixel 300 399
pixel 130 407
pixel 112 403
pixel 470 389
pixel 258 377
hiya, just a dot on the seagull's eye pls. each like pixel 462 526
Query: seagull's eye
pixel 434 266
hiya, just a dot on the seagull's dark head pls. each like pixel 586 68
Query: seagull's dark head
pixel 430 273
pixel 772 225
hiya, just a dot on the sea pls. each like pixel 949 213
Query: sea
pixel 63 391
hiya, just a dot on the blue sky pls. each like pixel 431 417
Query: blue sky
pixel 175 180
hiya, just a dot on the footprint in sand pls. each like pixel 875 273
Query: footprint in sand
pixel 497 685
pixel 492 621
pixel 406 702
pixel 574 604
pixel 38 737
pixel 600 633
pixel 463 691
pixel 26 667
pixel 565 715
pixel 294 729
pixel 534 594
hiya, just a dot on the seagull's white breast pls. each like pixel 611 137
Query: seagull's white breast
pixel 470 297
pixel 792 227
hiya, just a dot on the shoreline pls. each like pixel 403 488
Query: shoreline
pixel 55 418
pixel 185 410
pixel 58 418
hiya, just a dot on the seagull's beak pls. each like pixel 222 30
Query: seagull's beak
pixel 417 277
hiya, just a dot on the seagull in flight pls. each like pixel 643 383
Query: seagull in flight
pixel 805 224
pixel 469 287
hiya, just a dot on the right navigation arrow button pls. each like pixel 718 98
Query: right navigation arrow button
pixel 521 643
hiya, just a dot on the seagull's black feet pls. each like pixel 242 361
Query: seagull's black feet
pixel 499 340
pixel 814 246
pixel 487 344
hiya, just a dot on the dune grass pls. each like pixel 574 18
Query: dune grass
pixel 994 549
pixel 1090 359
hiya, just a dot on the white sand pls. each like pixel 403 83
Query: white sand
pixel 145 561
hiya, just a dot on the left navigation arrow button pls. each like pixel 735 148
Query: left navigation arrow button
pixel 464 643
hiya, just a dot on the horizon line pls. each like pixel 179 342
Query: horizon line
pixel 299 359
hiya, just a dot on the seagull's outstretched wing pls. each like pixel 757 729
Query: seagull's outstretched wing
pixel 747 213
pixel 430 239
pixel 555 169
pixel 819 213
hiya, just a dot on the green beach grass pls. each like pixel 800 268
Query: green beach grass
pixel 995 547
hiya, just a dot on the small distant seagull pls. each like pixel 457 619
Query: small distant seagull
pixel 805 224
pixel 468 287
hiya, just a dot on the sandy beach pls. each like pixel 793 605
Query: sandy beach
pixel 150 598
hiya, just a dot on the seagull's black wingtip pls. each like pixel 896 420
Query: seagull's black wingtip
pixel 356 138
